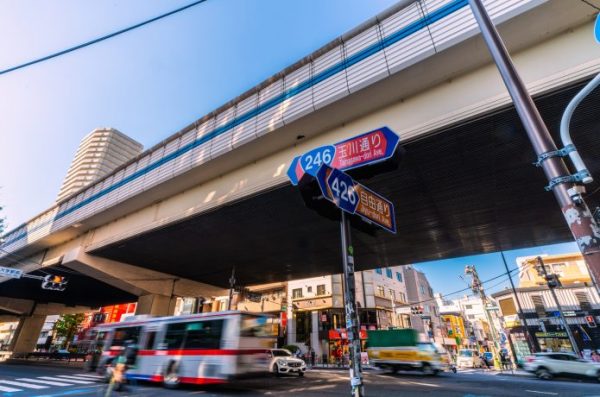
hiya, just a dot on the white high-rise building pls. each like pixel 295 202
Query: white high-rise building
pixel 99 153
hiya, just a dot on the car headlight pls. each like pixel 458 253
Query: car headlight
pixel 282 363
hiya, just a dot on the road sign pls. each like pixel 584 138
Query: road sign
pixel 365 149
pixel 354 198
pixel 597 29
pixel 9 272
pixel 369 148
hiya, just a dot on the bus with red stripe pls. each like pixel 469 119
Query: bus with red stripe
pixel 209 348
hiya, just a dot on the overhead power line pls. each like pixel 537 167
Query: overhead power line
pixel 99 39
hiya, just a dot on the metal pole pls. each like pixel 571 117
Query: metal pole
pixel 521 313
pixel 231 286
pixel 352 326
pixel 559 307
pixel 575 211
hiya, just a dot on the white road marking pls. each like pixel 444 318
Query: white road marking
pixel 422 384
pixel 45 382
pixel 21 384
pixel 79 382
pixel 9 389
pixel 542 392
pixel 321 387
pixel 90 376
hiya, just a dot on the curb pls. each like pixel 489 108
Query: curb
pixel 42 363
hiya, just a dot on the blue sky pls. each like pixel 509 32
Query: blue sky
pixel 151 82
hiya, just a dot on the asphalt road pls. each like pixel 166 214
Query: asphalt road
pixel 39 381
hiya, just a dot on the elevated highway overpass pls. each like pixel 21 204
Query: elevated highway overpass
pixel 173 221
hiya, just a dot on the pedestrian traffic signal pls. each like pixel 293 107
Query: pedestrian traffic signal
pixel 55 283
pixel 591 321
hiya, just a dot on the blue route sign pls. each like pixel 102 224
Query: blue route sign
pixel 342 191
pixel 364 149
pixel 597 29
pixel 311 161
pixel 354 198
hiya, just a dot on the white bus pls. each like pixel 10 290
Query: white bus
pixel 200 349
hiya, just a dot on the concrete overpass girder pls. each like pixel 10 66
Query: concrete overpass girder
pixel 136 280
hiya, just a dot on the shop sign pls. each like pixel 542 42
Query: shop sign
pixel 551 335
pixel 342 334
pixel 313 303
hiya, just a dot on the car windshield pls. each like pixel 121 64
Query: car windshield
pixel 281 353
pixel 466 353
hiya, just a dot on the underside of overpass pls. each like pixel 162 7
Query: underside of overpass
pixel 465 190
pixel 81 290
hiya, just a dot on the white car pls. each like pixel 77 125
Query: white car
pixel 282 361
pixel 468 358
pixel 548 365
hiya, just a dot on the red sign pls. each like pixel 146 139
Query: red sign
pixel 364 149
pixel 342 334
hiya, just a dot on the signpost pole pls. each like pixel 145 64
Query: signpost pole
pixel 575 211
pixel 352 326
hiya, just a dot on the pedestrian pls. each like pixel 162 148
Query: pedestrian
pixel 595 357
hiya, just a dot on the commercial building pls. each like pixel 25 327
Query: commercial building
pixel 419 292
pixel 577 296
pixel 101 152
pixel 316 309
pixel 7 331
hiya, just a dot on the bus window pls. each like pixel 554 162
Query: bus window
pixel 150 337
pixel 122 335
pixel 258 326
pixel 203 335
pixel 174 336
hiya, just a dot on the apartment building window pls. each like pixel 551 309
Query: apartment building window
pixel 378 271
pixel 422 288
pixel 392 294
pixel 297 293
pixel 538 303
pixel 321 289
pixel 381 291
pixel 388 272
pixel 468 307
pixel 471 317
pixel 398 276
pixel 309 289
pixel 402 296
pixel 583 300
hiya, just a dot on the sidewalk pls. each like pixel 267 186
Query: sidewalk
pixel 46 363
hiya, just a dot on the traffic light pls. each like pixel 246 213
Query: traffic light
pixel 55 283
pixel 416 309
pixel 591 321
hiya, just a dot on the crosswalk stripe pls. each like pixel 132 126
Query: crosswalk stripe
pixel 75 379
pixel 90 376
pixel 79 382
pixel 9 389
pixel 45 382
pixel 78 377
pixel 21 384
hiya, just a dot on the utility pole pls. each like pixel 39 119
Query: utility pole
pixel 565 186
pixel 528 337
pixel 477 288
pixel 552 281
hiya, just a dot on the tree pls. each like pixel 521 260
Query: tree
pixel 67 325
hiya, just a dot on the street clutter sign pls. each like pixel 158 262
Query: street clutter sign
pixel 365 149
pixel 355 198
pixel 11 273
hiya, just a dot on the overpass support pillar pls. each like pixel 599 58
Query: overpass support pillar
pixel 156 305
pixel 27 333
